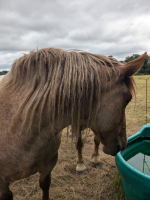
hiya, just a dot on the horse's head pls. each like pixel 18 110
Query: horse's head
pixel 110 123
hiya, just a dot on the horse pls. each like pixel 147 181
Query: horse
pixel 50 89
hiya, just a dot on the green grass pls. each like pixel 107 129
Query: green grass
pixel 118 188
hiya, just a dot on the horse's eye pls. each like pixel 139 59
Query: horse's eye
pixel 128 98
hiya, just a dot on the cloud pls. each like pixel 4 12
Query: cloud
pixel 7 58
pixel 118 28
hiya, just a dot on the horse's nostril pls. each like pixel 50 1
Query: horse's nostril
pixel 118 147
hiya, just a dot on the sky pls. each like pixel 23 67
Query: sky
pixel 107 27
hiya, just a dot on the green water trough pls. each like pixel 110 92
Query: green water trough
pixel 134 165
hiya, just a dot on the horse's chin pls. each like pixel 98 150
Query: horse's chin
pixel 110 151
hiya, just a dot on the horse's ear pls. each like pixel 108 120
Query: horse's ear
pixel 133 66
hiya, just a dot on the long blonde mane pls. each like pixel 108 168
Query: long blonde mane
pixel 61 82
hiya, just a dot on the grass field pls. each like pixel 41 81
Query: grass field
pixel 136 110
pixel 104 184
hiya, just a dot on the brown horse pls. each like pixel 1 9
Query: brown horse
pixel 49 89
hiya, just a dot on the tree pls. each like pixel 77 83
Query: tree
pixel 3 72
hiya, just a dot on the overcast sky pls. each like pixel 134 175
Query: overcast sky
pixel 108 27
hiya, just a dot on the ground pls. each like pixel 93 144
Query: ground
pixel 104 184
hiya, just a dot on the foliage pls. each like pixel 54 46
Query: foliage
pixel 118 188
pixel 146 66
pixel 3 72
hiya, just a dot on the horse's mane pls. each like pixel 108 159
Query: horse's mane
pixel 61 82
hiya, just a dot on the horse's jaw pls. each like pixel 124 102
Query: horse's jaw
pixel 109 151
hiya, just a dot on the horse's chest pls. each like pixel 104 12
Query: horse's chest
pixel 28 157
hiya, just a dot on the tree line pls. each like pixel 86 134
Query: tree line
pixel 3 72
pixel 145 70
